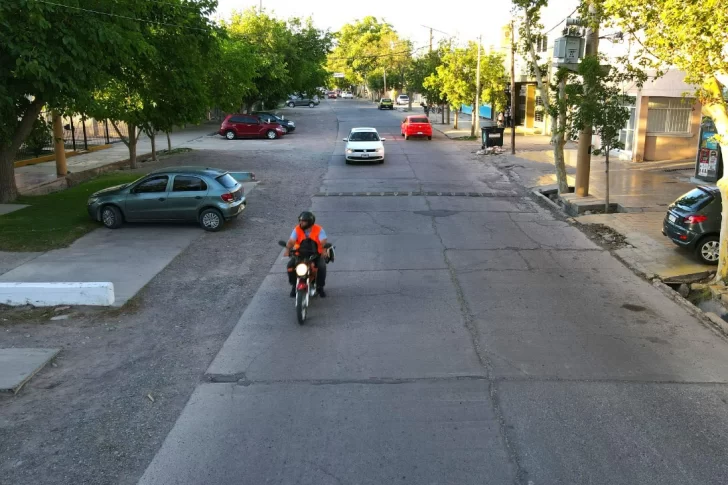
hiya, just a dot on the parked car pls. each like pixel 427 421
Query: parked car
pixel 267 117
pixel 249 126
pixel 295 100
pixel 364 145
pixel 402 99
pixel 416 125
pixel 693 222
pixel 207 195
pixel 386 103
pixel 331 95
pixel 347 95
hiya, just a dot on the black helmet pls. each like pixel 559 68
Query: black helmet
pixel 308 217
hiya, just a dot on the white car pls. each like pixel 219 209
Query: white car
pixel 402 99
pixel 347 95
pixel 364 145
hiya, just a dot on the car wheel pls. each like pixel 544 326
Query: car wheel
pixel 230 135
pixel 708 250
pixel 311 105
pixel 429 138
pixel 271 135
pixel 111 217
pixel 291 104
pixel 211 220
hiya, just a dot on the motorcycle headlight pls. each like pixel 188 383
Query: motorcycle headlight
pixel 302 270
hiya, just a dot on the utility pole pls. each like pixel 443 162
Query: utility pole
pixel 512 117
pixel 385 81
pixel 430 39
pixel 476 108
pixel 583 152
pixel 59 147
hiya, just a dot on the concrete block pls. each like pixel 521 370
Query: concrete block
pixel 17 366
pixel 718 322
pixel 52 294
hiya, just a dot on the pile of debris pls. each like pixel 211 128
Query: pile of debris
pixel 491 151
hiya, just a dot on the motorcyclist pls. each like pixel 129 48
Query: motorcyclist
pixel 307 228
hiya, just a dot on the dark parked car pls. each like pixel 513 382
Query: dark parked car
pixel 206 195
pixel 302 101
pixel 249 126
pixel 693 222
pixel 288 125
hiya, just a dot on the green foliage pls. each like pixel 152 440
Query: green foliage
pixel 601 103
pixel 364 49
pixel 40 136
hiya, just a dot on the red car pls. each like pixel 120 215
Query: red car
pixel 416 125
pixel 249 126
pixel 331 95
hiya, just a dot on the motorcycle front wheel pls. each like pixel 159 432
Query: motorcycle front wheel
pixel 301 306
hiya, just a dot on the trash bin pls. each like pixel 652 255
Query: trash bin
pixel 492 136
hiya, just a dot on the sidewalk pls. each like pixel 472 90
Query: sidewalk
pixel 33 178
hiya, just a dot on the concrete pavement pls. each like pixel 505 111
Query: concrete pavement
pixel 464 340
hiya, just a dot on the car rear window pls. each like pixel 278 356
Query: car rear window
pixel 386 100
pixel 227 181
pixel 694 200
pixel 419 120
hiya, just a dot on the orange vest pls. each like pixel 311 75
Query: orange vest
pixel 315 233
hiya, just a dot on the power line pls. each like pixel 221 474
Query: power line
pixel 376 56
pixel 120 16
pixel 560 22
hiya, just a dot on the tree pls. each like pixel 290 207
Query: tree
pixel 493 81
pixel 556 106
pixel 689 36
pixel 454 79
pixel 145 93
pixel 233 69
pixel 53 56
pixel 601 105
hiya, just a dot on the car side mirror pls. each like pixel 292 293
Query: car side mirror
pixel 383 139
pixel 345 139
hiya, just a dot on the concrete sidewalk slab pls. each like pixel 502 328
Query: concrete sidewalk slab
pixel 140 251
pixel 43 294
pixel 18 366
pixel 8 208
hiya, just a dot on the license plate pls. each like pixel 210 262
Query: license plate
pixel 365 155
pixel 671 218
pixel 419 132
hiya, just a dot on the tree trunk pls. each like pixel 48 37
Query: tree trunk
pixel 8 188
pixel 718 111
pixel 456 120
pixel 169 143
pixel 442 115
pixel 153 139
pixel 606 170
pixel 473 116
pixel 558 129
pixel 132 146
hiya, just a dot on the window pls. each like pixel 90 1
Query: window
pixel 152 184
pixel 538 115
pixel 626 134
pixel 186 183
pixel 669 115
pixel 542 43
pixel 419 120
pixel 237 119
pixel 227 181
pixel 364 136
pixel 694 200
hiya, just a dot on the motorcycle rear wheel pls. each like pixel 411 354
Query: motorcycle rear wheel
pixel 301 306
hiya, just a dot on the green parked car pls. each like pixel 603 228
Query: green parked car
pixel 386 103
pixel 208 196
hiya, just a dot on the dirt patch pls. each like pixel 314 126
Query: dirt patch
pixel 603 235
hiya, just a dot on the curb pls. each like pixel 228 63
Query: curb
pixel 542 198
pixel 709 319
pixel 54 294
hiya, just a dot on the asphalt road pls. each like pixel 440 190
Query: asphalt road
pixel 467 338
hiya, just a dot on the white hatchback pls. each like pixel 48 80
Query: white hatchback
pixel 402 99
pixel 364 145
pixel 347 95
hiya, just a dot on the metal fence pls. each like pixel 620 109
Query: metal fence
pixel 80 133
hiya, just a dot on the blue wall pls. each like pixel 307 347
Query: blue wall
pixel 485 110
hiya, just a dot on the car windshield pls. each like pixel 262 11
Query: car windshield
pixel 694 200
pixel 227 181
pixel 419 120
pixel 386 100
pixel 364 136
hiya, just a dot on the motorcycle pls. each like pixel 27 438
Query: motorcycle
pixel 306 282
